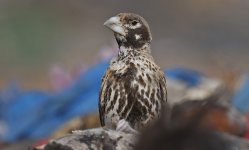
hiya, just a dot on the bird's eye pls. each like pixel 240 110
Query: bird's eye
pixel 134 22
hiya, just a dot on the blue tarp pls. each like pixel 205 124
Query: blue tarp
pixel 36 114
pixel 241 96
pixel 189 77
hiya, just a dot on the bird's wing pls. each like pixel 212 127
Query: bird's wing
pixel 162 87
pixel 122 91
pixel 102 97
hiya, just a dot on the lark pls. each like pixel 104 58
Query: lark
pixel 133 88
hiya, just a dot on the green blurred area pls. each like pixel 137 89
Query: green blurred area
pixel 27 37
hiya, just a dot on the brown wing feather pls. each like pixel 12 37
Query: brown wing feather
pixel 102 96
pixel 163 87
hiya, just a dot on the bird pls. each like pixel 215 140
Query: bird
pixel 133 89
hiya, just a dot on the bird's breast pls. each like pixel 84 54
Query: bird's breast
pixel 140 63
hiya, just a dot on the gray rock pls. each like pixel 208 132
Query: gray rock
pixel 93 139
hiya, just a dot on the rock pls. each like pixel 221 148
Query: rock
pixel 93 139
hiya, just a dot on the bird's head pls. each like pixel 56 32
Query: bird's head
pixel 130 30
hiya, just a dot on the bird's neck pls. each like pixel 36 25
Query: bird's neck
pixel 129 51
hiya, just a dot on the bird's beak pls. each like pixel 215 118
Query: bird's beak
pixel 115 25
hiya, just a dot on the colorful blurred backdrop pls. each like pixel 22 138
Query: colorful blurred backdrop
pixel 56 49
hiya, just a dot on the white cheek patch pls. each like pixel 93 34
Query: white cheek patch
pixel 137 36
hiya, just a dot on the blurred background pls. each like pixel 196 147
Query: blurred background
pixel 48 45
pixel 201 34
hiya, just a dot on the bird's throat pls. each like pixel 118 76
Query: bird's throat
pixel 130 51
pixel 124 52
